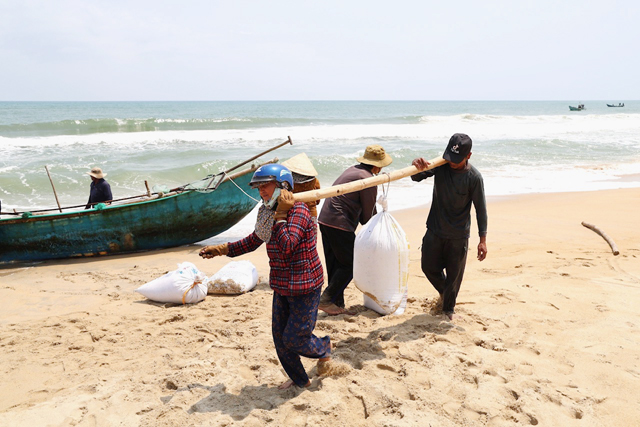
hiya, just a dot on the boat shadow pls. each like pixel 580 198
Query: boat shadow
pixel 135 257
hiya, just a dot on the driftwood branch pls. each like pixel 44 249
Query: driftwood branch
pixel 604 235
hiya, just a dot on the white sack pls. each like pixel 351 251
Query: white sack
pixel 236 277
pixel 369 303
pixel 381 264
pixel 182 286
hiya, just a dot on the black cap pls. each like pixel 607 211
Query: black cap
pixel 458 149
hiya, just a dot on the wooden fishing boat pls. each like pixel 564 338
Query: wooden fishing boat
pixel 580 107
pixel 620 104
pixel 184 215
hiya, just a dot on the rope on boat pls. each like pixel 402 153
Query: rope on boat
pixel 245 193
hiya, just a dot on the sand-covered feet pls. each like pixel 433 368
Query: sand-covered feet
pixel 285 385
pixel 434 306
pixel 328 367
pixel 334 310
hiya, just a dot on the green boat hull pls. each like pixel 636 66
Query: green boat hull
pixel 169 221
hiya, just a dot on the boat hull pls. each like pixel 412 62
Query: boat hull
pixel 174 220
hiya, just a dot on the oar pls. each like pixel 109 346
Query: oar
pixel 54 188
pixel 225 173
pixel 288 141
pixel 361 184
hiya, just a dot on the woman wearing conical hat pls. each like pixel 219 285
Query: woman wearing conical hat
pixel 304 179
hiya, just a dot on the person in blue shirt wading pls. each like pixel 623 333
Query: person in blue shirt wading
pixel 457 185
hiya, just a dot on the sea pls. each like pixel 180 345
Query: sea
pixel 518 146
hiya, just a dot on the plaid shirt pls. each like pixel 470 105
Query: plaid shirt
pixel 295 268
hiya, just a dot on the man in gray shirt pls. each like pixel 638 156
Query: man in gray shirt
pixel 338 221
pixel 457 185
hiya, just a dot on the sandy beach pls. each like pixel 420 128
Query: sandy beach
pixel 547 333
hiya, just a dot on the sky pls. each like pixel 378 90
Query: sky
pixel 138 50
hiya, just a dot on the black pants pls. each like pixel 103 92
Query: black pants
pixel 338 256
pixel 443 262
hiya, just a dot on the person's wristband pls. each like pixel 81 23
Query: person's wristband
pixel 281 221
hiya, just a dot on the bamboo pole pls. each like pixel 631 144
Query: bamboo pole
pixel 53 186
pixel 361 184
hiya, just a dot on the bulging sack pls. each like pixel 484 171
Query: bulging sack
pixel 237 277
pixel 182 286
pixel 381 264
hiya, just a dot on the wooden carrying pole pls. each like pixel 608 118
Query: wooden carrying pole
pixel 53 186
pixel 361 184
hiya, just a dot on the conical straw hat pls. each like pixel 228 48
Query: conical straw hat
pixel 300 164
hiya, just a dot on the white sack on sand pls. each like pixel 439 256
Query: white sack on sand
pixel 237 277
pixel 182 286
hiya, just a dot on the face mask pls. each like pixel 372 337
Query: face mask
pixel 271 203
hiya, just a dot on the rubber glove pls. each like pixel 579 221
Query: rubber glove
pixel 285 202
pixel 214 250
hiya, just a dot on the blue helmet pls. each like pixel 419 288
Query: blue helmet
pixel 272 172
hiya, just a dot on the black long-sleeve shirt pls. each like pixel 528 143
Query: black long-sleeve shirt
pixel 453 193
pixel 100 192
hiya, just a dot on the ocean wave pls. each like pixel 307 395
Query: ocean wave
pixel 517 153
pixel 384 127
pixel 118 125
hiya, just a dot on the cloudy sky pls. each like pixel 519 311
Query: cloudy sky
pixel 319 50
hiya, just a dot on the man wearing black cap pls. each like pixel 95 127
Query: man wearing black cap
pixel 457 185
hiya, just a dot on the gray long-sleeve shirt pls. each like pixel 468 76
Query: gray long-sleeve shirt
pixel 453 193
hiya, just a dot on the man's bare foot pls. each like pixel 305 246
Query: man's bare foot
pixel 285 385
pixel 334 310
pixel 449 315
pixel 288 383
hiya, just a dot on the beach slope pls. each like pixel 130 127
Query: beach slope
pixel 547 333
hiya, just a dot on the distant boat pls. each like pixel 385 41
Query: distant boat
pixel 580 107
pixel 620 104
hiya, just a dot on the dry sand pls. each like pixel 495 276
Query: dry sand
pixel 548 334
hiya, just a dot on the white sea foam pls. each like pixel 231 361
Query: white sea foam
pixel 515 153
pixel 620 127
